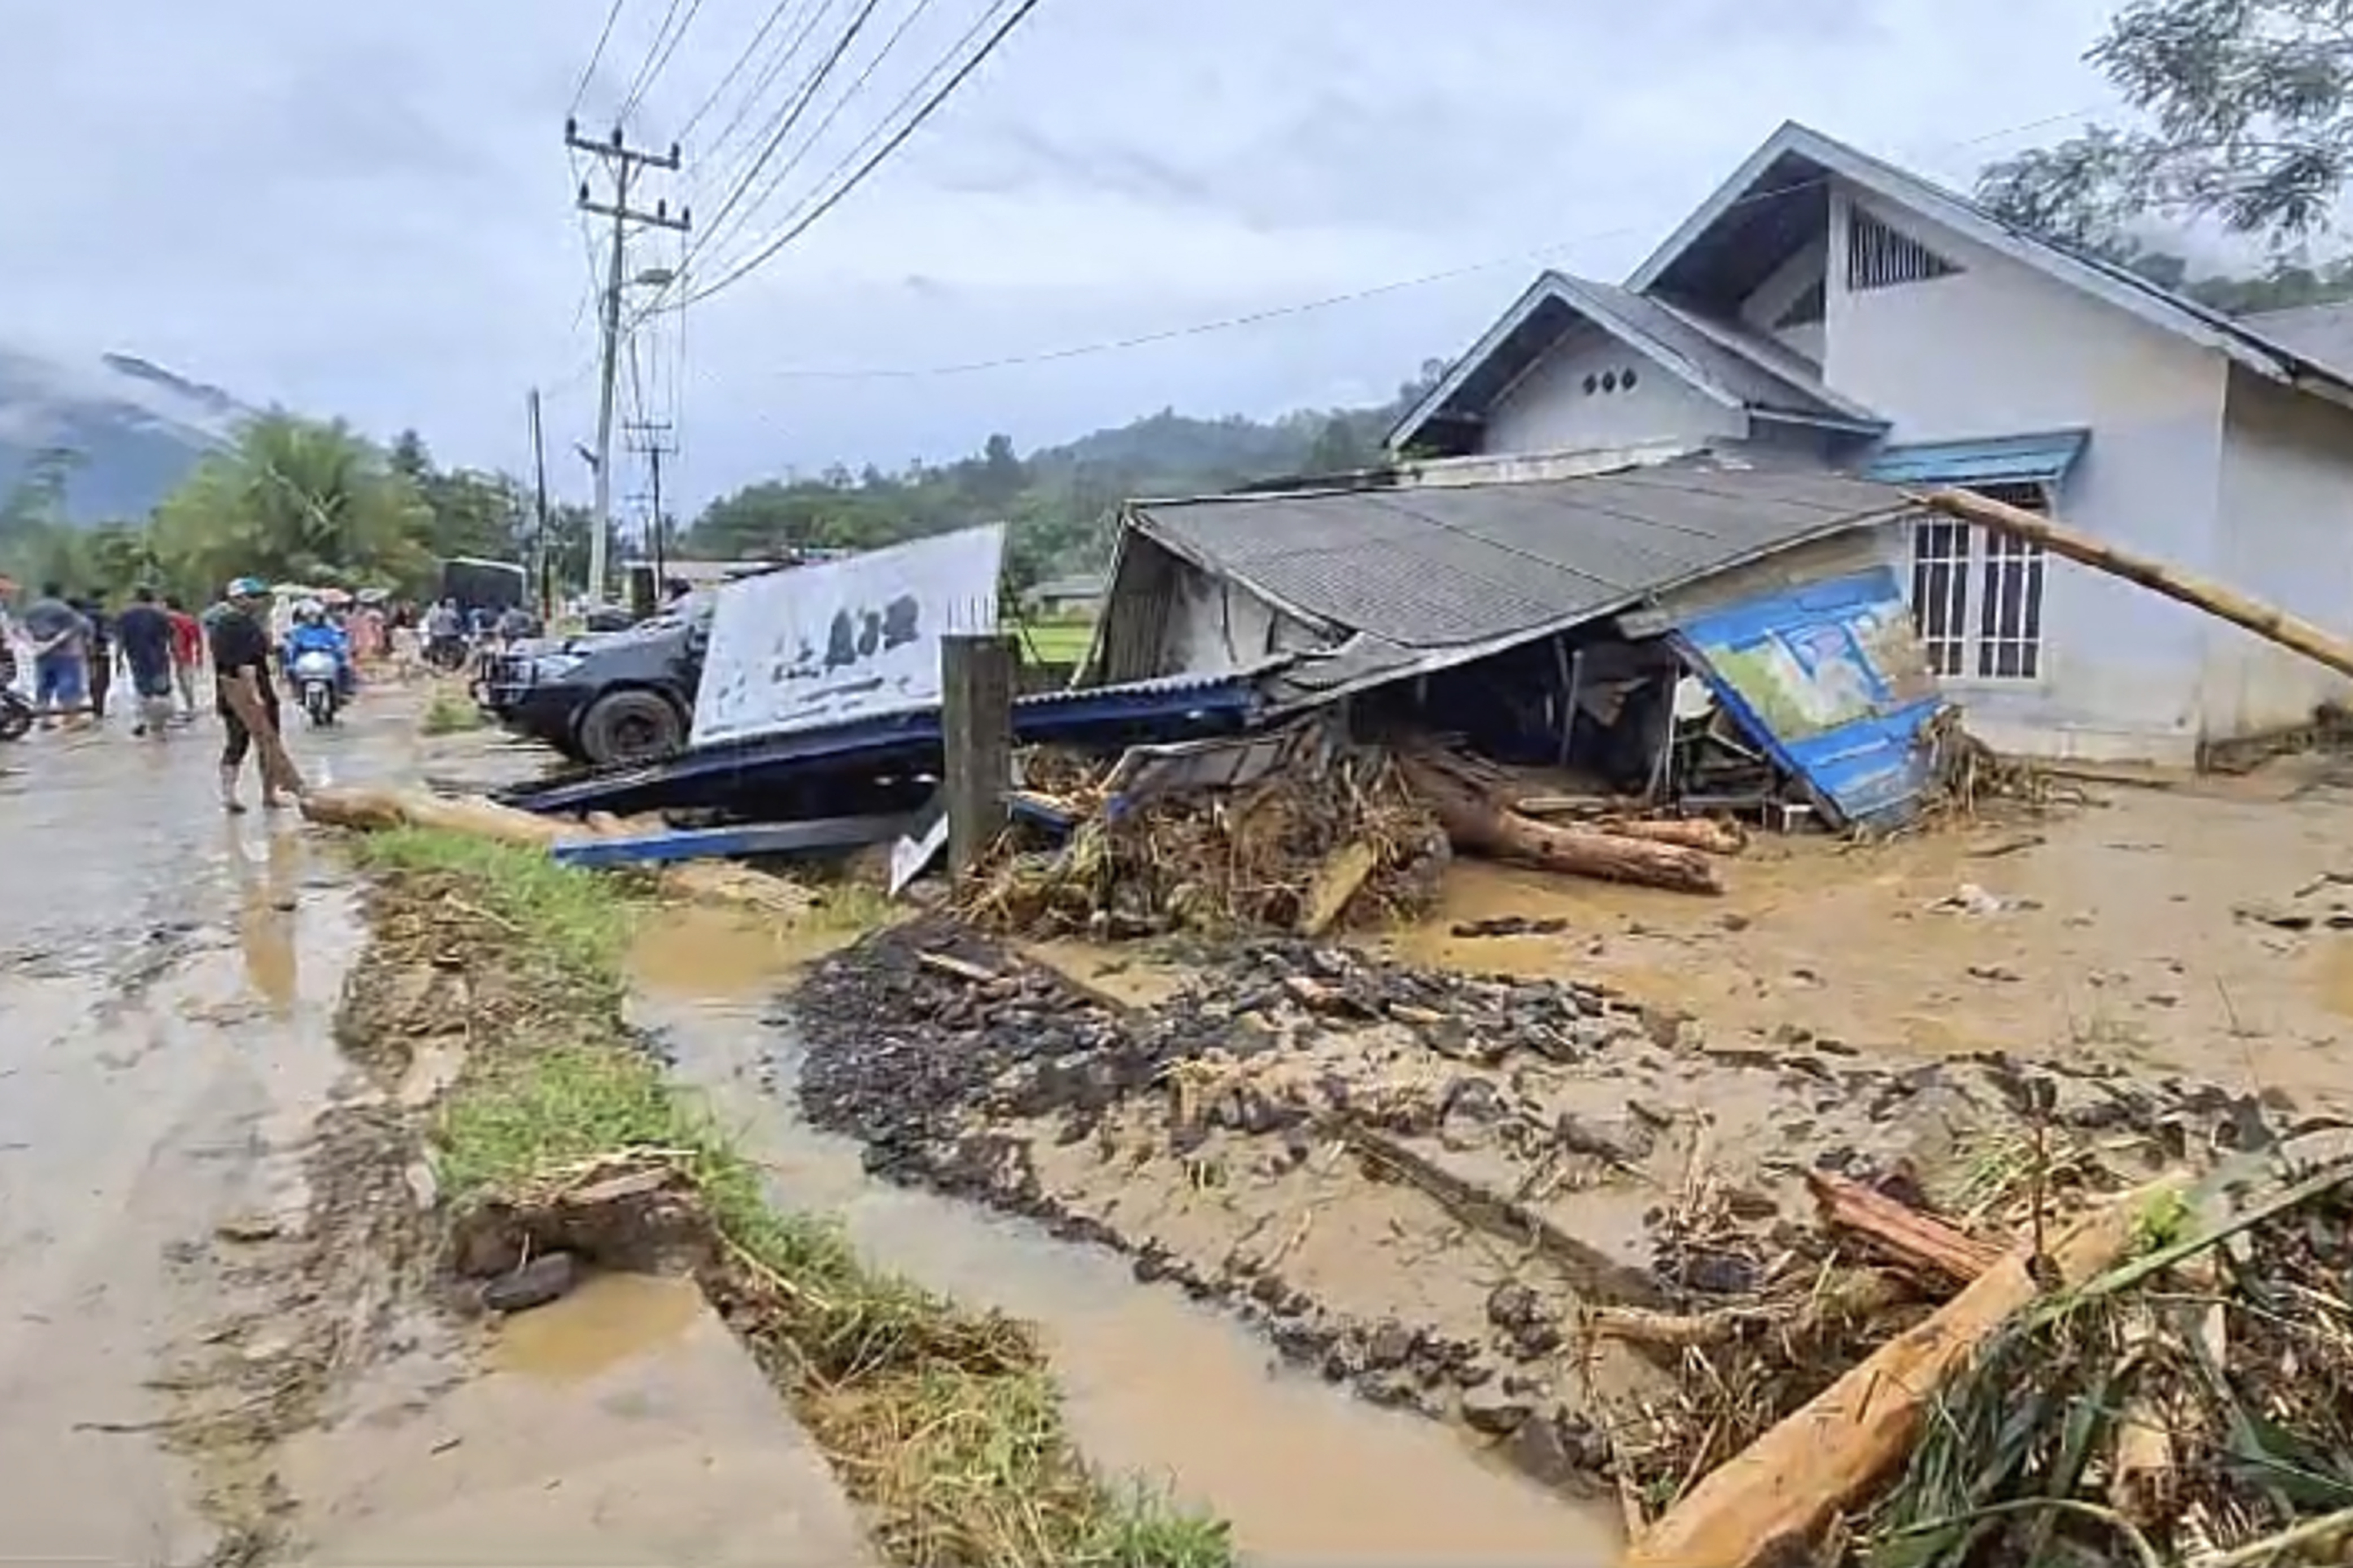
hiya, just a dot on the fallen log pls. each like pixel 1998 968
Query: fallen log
pixel 1771 1499
pixel 371 808
pixel 1478 821
pixel 2269 622
pixel 1684 832
pixel 1337 881
pixel 1918 1241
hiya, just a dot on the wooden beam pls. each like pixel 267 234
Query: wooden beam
pixel 977 672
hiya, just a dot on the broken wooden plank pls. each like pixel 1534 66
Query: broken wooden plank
pixel 1918 1241
pixel 1769 1501
pixel 1343 872
pixel 963 969
pixel 2269 622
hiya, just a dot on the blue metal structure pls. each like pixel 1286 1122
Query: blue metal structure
pixel 1830 679
pixel 834 771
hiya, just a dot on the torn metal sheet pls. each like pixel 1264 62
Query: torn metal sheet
pixel 1830 679
pixel 715 843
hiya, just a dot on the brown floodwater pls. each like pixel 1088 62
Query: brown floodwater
pixel 1156 1386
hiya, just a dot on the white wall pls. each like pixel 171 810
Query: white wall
pixel 1548 409
pixel 2001 350
pixel 2286 538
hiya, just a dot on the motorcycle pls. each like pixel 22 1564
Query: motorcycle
pixel 318 683
pixel 16 714
pixel 447 655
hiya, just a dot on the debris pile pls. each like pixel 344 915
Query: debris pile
pixel 1420 1183
pixel 1323 836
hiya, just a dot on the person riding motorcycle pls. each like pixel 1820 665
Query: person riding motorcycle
pixel 313 632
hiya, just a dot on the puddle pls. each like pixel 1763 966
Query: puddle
pixel 1155 1385
pixel 605 1321
pixel 695 950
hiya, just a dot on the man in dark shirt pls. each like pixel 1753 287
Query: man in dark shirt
pixel 241 645
pixel 101 654
pixel 143 632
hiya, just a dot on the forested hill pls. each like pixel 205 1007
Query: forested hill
pixel 1055 497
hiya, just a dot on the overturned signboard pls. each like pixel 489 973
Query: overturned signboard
pixel 849 639
pixel 1830 679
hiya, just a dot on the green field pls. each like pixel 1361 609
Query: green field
pixel 1054 642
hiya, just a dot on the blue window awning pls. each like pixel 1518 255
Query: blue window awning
pixel 1999 460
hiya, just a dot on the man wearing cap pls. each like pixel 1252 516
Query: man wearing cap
pixel 240 647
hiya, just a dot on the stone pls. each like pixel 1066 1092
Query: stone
pixel 1389 1345
pixel 1538 1450
pixel 1490 1410
pixel 544 1279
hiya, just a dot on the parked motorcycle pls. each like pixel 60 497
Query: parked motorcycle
pixel 317 684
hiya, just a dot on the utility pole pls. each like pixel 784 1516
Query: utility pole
pixel 623 163
pixel 545 563
pixel 652 437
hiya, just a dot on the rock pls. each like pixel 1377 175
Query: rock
pixel 1389 1346
pixel 248 1227
pixel 1490 1410
pixel 1626 1143
pixel 1513 1306
pixel 535 1284
pixel 1538 1450
pixel 423 1187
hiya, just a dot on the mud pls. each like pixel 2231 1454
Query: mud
pixel 1411 1181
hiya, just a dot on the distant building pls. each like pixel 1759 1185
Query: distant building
pixel 1077 595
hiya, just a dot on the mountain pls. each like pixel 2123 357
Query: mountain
pixel 134 427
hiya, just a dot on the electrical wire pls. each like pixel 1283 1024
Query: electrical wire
pixel 791 118
pixel 774 68
pixel 657 55
pixel 603 37
pixel 776 180
pixel 931 105
pixel 744 59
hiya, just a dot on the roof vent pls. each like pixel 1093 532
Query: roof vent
pixel 1878 257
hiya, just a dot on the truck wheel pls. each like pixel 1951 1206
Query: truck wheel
pixel 630 727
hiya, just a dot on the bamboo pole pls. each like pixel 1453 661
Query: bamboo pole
pixel 2266 621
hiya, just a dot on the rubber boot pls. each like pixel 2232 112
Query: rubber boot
pixel 230 803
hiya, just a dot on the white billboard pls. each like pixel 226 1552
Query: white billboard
pixel 849 639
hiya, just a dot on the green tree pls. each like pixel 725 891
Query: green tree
pixel 1338 448
pixel 2250 105
pixel 295 500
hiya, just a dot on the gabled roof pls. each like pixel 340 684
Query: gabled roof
pixel 2322 334
pixel 1725 365
pixel 1795 162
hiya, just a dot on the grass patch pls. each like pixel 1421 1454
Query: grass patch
pixel 943 1424
pixel 449 714
pixel 1055 641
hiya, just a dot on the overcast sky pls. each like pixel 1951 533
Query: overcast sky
pixel 365 209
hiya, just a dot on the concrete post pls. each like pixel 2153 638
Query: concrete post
pixel 977 672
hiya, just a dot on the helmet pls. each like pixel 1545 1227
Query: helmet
pixel 309 611
pixel 247 588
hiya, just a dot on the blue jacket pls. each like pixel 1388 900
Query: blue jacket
pixel 323 637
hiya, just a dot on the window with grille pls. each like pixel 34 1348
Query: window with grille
pixel 1976 595
pixel 1879 257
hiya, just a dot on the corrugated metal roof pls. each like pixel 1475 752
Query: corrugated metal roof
pixel 2005 459
pixel 1443 566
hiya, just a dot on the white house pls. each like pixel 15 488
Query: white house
pixel 1826 304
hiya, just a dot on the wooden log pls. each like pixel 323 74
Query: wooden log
pixel 1771 1499
pixel 1477 821
pixel 1709 837
pixel 2266 621
pixel 1920 1242
pixel 1343 871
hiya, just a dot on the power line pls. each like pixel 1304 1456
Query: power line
pixel 1304 307
pixel 858 178
pixel 603 38
pixel 774 68
pixel 657 55
pixel 791 118
pixel 809 143
pixel 742 60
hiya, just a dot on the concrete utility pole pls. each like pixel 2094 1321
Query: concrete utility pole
pixel 652 439
pixel 623 161
pixel 541 566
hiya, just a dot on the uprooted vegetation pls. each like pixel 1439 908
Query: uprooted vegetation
pixel 943 1424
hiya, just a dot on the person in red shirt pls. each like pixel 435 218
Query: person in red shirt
pixel 187 653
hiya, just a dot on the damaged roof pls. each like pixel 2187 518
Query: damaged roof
pixel 1476 567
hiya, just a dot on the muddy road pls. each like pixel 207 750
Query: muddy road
pixel 167 978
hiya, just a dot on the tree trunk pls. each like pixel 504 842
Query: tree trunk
pixel 2266 621
pixel 1922 1243
pixel 1684 833
pixel 1479 821
pixel 1775 1495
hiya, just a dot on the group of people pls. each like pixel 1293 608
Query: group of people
pixel 75 646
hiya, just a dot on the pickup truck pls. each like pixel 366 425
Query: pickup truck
pixel 605 697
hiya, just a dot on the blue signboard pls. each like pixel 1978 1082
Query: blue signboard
pixel 1830 679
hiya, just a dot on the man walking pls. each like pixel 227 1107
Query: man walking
pixel 187 652
pixel 242 693
pixel 100 662
pixel 145 634
pixel 60 638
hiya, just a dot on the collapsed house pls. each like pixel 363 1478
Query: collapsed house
pixel 1698 629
